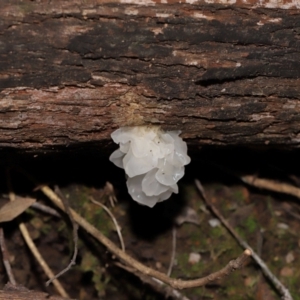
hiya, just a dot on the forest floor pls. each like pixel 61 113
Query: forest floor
pixel 268 221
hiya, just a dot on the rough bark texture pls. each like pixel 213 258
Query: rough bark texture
pixel 21 293
pixel 4 295
pixel 226 72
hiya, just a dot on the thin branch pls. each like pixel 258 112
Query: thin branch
pixel 118 228
pixel 41 260
pixel 173 251
pixel 75 236
pixel 284 292
pixel 156 284
pixel 34 250
pixel 46 209
pixel 5 258
pixel 290 212
pixel 175 283
pixel 110 192
pixel 272 185
pixel 169 291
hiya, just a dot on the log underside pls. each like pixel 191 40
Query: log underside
pixel 72 72
pixel 18 292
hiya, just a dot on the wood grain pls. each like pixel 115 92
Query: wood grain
pixel 71 72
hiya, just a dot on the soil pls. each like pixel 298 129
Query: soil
pixel 269 222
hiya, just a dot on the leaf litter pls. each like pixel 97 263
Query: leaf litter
pixel 257 217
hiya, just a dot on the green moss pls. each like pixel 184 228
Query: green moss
pixel 203 293
pixel 61 226
pixel 90 263
pixel 40 226
pixel 80 200
pixel 197 268
pixel 46 228
pixel 251 224
pixel 240 232
pixel 26 7
pixel 189 270
pixel 217 232
pixel 270 207
pixel 239 196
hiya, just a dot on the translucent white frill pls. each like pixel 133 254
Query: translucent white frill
pixel 153 161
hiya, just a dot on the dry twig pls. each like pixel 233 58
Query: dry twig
pixel 75 236
pixel 284 292
pixel 41 260
pixel 156 284
pixel 110 192
pixel 5 258
pixel 34 249
pixel 175 283
pixel 118 228
pixel 272 185
pixel 173 251
pixel 46 209
pixel 275 186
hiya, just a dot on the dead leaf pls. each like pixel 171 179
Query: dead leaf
pixel 12 209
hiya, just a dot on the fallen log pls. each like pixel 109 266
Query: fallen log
pixel 19 292
pixel 223 72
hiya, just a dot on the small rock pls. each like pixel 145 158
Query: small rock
pixel 194 258
pixel 283 226
pixel 214 222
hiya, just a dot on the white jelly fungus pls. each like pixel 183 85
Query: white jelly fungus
pixel 153 161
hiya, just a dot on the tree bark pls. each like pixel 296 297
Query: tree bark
pixel 19 292
pixel 30 295
pixel 225 74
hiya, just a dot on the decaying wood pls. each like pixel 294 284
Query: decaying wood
pixel 28 296
pixel 20 293
pixel 223 72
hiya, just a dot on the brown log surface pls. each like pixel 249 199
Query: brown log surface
pixel 21 293
pixel 74 71
pixel 4 295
